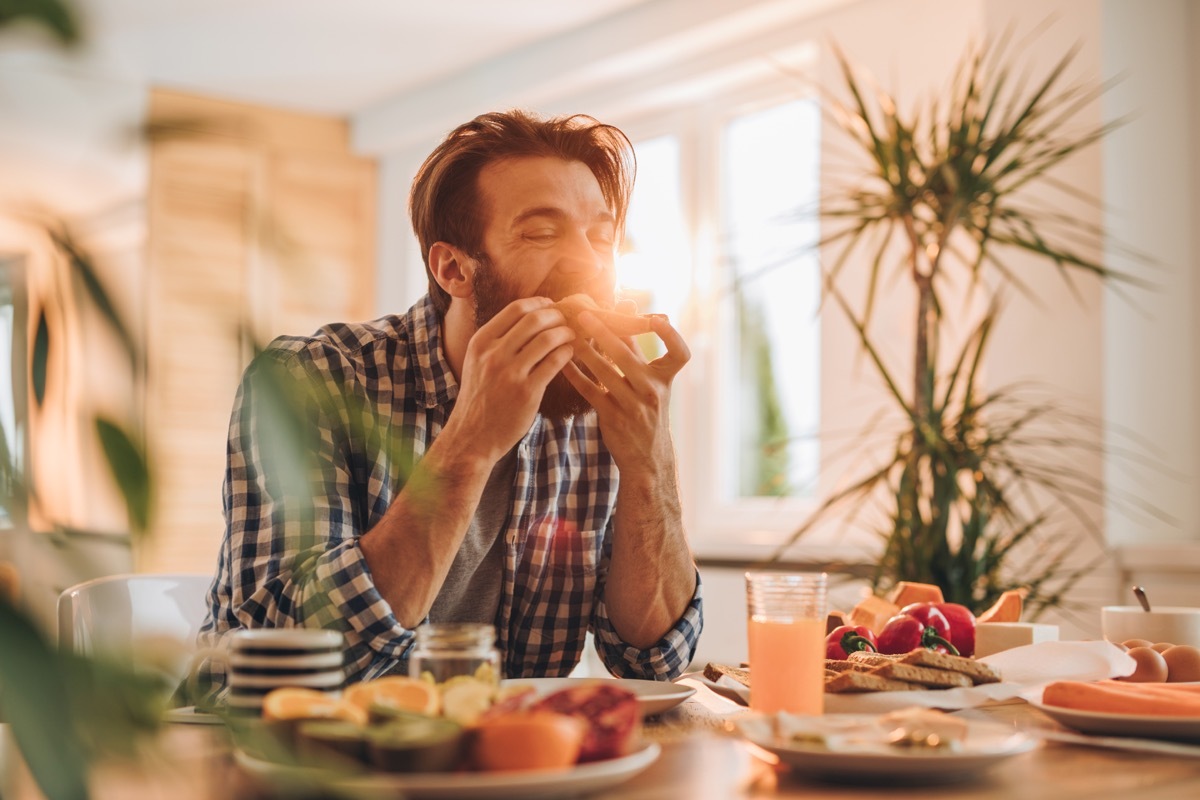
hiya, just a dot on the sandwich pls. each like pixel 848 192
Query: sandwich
pixel 621 324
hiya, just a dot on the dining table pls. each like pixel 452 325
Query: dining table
pixel 703 756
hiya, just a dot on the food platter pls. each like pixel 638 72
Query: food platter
pixel 1185 729
pixel 984 745
pixel 653 697
pixel 580 779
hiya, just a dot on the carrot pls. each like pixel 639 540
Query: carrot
pixel 1174 689
pixel 1113 697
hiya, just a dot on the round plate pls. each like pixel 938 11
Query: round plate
pixel 580 779
pixel 985 745
pixel 1185 729
pixel 654 697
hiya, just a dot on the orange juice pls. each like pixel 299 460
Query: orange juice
pixel 787 666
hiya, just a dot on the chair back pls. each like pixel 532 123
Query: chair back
pixel 115 615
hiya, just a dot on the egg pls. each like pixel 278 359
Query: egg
pixel 1151 666
pixel 1129 643
pixel 1161 647
pixel 1183 663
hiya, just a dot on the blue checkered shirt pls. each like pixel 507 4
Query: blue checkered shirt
pixel 292 558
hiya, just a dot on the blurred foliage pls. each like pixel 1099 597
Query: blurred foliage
pixel 56 17
pixel 971 484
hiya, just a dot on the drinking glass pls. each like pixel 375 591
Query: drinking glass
pixel 787 641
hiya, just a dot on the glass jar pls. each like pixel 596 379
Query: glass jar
pixel 448 650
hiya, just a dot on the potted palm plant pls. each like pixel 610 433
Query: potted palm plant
pixel 943 202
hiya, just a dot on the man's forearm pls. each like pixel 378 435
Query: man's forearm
pixel 410 550
pixel 652 577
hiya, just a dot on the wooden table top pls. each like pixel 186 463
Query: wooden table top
pixel 710 765
pixel 701 761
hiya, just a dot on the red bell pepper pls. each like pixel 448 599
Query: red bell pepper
pixel 962 626
pixel 847 639
pixel 917 625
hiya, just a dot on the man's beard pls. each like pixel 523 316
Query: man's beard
pixel 492 294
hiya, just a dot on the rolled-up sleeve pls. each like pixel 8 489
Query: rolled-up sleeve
pixel 666 660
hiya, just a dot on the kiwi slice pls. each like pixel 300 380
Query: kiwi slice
pixel 331 741
pixel 415 743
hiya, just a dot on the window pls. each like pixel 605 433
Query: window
pixel 721 236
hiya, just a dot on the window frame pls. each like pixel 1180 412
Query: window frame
pixel 739 528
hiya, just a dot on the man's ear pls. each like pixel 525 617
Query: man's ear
pixel 453 269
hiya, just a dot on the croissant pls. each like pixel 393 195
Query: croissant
pixel 615 321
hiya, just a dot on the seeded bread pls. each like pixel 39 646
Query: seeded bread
pixel 870 659
pixel 926 676
pixel 977 672
pixel 854 681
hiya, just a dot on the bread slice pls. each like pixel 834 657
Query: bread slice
pixel 977 672
pixel 854 681
pixel 620 324
pixel 841 665
pixel 926 676
pixel 714 672
pixel 869 659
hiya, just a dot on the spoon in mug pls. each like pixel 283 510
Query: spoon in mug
pixel 1140 594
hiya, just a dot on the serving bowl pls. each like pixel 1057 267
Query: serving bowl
pixel 1174 624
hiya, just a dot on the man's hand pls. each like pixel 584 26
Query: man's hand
pixel 508 364
pixel 632 397
pixel 652 577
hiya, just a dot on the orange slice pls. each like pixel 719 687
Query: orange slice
pixel 291 703
pixel 396 691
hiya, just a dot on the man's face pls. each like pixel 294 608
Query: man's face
pixel 548 233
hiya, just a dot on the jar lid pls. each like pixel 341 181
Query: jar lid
pixel 456 635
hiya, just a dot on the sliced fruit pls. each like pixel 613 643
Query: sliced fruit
pixel 906 592
pixel 873 612
pixel 415 744
pixel 465 699
pixel 396 691
pixel 293 703
pixel 527 740
pixel 1007 608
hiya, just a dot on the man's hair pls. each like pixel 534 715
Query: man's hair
pixel 445 205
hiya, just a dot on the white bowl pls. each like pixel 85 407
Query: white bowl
pixel 1174 624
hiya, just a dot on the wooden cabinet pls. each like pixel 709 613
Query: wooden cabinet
pixel 260 222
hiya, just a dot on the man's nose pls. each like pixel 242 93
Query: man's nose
pixel 580 255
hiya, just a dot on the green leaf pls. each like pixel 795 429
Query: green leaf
pixel 55 16
pixel 41 358
pixel 34 692
pixel 82 265
pixel 127 461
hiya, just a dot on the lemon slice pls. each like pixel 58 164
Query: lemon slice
pixel 464 698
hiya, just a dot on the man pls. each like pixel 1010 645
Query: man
pixel 478 458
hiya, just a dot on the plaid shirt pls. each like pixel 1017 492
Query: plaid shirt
pixel 378 395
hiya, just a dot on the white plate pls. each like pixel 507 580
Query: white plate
pixel 490 785
pixel 654 697
pixel 985 745
pixel 1185 729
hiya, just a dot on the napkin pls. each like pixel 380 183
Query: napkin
pixel 1025 671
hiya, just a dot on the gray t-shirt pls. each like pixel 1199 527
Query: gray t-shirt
pixel 471 592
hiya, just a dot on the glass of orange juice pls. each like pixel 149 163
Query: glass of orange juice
pixel 787 641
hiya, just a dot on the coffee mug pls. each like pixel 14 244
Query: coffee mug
pixel 259 661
